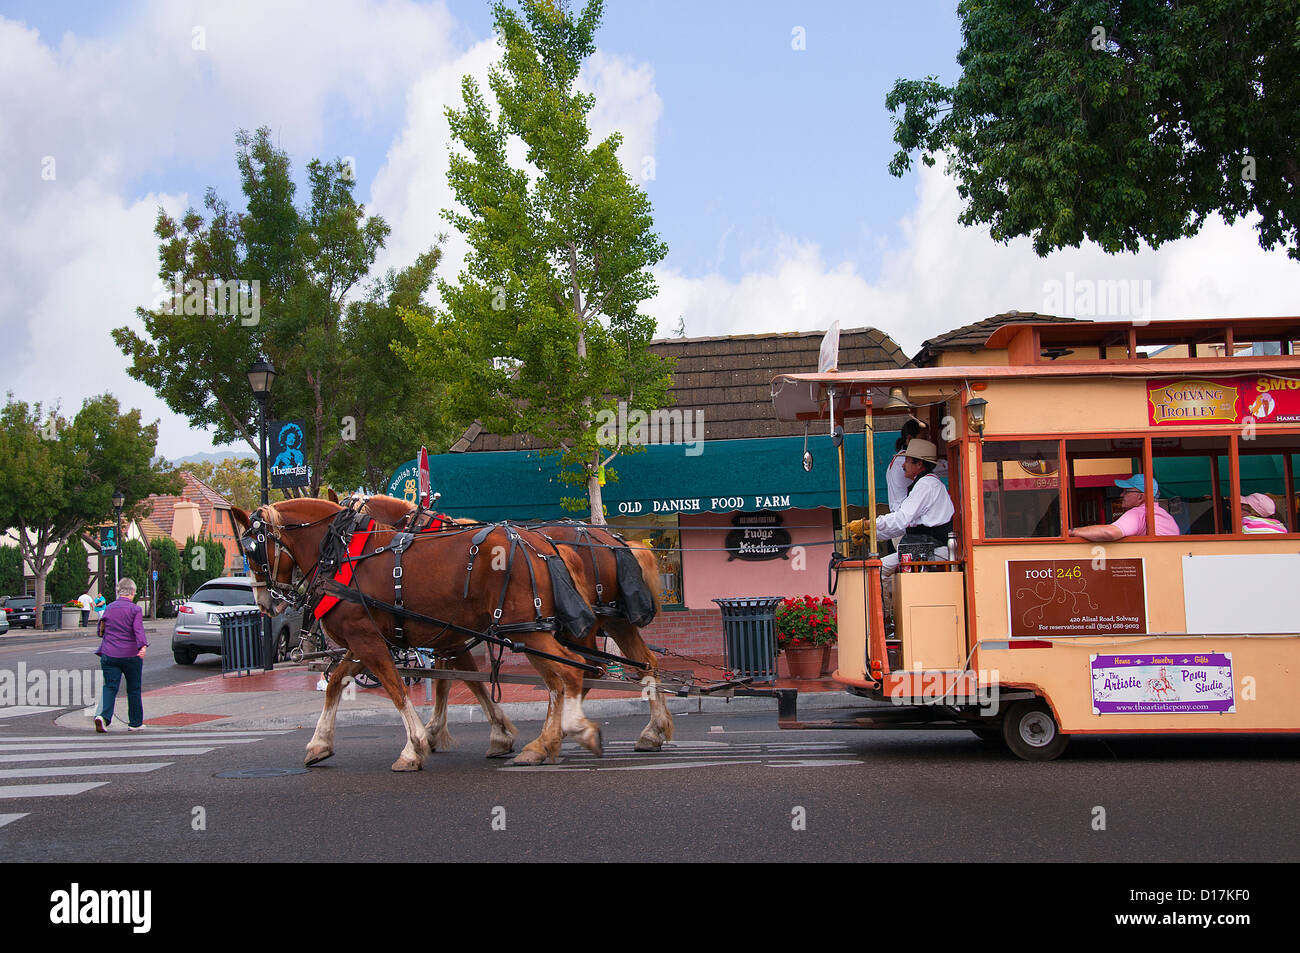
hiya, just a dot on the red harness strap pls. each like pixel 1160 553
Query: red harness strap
pixel 346 569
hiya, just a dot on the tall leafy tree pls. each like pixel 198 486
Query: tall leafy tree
pixel 135 566
pixel 70 575
pixel 59 476
pixel 306 262
pixel 11 571
pixel 1116 121
pixel 235 478
pixel 168 559
pixel 542 332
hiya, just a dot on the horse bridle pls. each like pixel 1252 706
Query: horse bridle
pixel 253 544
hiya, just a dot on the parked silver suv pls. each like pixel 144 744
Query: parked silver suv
pixel 198 623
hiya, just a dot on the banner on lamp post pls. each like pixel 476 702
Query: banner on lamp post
pixel 286 464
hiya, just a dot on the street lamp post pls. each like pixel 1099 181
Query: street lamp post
pixel 260 378
pixel 118 499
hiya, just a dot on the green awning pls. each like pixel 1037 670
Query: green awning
pixel 723 477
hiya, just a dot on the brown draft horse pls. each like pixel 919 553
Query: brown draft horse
pixel 435 585
pixel 592 545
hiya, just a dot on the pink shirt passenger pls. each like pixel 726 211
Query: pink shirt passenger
pixel 1133 522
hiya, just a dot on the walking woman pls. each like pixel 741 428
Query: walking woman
pixel 121 653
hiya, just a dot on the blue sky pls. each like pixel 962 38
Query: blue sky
pixel 770 184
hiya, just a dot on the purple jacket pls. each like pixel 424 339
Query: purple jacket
pixel 124 636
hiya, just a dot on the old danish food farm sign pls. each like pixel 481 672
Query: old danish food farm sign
pixel 758 537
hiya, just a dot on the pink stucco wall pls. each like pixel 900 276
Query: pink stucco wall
pixel 707 573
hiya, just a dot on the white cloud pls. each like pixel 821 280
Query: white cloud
pixel 941 276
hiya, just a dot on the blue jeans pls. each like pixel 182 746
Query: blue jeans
pixel 114 669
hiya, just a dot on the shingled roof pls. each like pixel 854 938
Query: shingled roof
pixel 729 379
pixel 972 336
pixel 163 511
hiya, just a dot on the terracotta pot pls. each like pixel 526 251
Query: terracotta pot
pixel 805 661
pixel 827 664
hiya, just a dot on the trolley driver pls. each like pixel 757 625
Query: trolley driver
pixel 926 511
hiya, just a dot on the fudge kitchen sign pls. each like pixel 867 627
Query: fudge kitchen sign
pixel 758 537
pixel 1268 400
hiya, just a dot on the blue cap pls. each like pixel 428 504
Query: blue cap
pixel 1138 483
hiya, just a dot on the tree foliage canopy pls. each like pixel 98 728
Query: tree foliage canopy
pixel 1116 121
pixel 543 330
pixel 307 262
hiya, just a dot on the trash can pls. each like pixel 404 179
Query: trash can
pixel 244 643
pixel 51 616
pixel 749 633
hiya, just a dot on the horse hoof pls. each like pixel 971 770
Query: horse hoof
pixel 591 740
pixel 526 758
pixel 501 752
pixel 402 764
pixel 316 757
pixel 647 744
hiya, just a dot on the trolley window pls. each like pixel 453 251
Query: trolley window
pixel 1095 465
pixel 1194 483
pixel 1021 489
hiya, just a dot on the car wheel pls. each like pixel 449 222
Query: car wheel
pixel 1032 733
pixel 185 656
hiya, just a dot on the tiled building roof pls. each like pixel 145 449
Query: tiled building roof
pixel 729 379
pixel 163 508
pixel 972 336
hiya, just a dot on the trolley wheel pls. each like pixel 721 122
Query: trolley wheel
pixel 1031 732
pixel 366 679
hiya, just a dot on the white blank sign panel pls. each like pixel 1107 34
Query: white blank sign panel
pixel 1245 593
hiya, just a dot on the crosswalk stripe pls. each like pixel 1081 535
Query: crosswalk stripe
pixel 83 755
pixel 48 790
pixel 63 771
pixel 10 818
pixel 164 734
pixel 92 744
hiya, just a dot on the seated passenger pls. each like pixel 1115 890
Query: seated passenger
pixel 1256 512
pixel 926 510
pixel 1133 521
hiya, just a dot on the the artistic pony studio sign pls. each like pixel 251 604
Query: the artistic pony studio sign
pixel 1264 398
pixel 758 537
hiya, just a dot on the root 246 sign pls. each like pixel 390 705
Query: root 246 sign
pixel 1062 597
pixel 758 537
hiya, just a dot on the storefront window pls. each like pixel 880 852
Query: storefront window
pixel 660 532
pixel 1022 491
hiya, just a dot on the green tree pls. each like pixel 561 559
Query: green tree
pixel 305 263
pixel 168 560
pixel 135 565
pixel 11 571
pixel 70 575
pixel 202 558
pixel 1118 122
pixel 59 476
pixel 542 333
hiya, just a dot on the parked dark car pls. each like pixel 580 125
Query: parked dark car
pixel 21 611
pixel 198 623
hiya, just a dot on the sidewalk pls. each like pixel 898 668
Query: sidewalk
pixel 288 698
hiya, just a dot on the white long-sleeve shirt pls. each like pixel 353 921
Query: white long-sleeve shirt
pixel 927 505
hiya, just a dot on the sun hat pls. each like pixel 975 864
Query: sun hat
pixel 919 449
pixel 1138 483
pixel 1260 503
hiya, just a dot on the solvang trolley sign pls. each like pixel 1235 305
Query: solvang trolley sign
pixel 1051 619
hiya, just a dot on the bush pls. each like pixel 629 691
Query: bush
pixel 11 571
pixel 135 565
pixel 202 559
pixel 70 576
pixel 168 560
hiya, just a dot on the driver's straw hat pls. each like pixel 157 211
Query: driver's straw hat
pixel 921 450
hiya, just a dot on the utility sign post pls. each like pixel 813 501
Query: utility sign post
pixel 424 477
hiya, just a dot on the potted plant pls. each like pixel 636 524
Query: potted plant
pixel 71 614
pixel 805 631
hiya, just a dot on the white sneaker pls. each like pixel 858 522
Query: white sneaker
pixel 135 727
pixel 100 727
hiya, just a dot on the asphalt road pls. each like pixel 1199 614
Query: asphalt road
pixel 731 787
pixel 70 650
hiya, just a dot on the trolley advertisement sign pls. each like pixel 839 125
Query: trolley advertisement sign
pixel 1264 398
pixel 1071 597
pixel 1157 684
